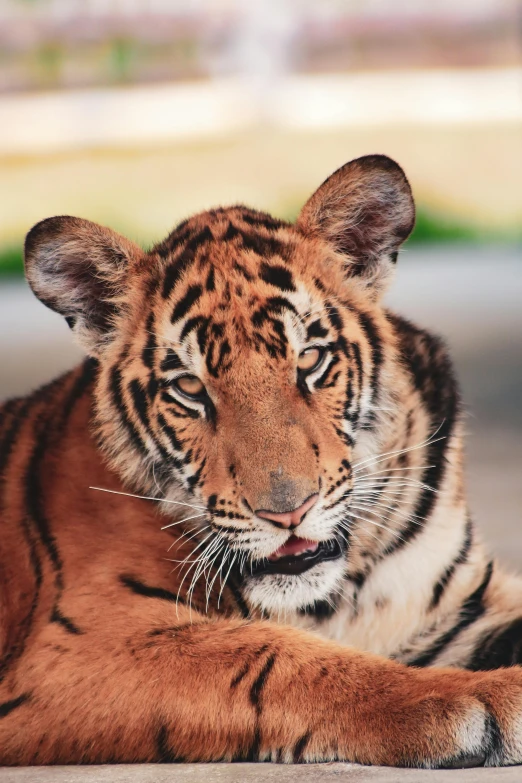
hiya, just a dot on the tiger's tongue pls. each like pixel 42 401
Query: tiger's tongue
pixel 294 546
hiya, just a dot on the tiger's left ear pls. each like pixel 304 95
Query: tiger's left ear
pixel 81 270
pixel 365 210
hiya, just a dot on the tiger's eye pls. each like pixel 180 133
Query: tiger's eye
pixel 190 385
pixel 309 359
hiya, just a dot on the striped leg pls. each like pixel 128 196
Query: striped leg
pixel 229 690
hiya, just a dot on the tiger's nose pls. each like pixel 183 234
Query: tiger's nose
pixel 289 519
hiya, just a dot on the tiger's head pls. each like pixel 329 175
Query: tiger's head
pixel 243 362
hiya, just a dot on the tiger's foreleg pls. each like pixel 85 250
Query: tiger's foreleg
pixel 231 690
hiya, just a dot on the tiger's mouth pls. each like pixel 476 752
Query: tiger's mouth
pixel 296 556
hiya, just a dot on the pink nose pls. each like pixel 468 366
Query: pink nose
pixel 289 519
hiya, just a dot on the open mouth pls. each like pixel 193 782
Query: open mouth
pixel 296 556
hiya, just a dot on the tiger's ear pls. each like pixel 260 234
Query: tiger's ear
pixel 365 210
pixel 79 269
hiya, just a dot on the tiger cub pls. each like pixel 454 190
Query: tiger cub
pixel 239 530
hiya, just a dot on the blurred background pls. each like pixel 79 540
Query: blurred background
pixel 136 113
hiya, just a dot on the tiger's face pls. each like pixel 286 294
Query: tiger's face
pixel 243 362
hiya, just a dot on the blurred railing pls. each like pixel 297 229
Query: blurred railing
pixel 49 44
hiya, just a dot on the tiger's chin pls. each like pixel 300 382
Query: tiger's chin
pixel 279 594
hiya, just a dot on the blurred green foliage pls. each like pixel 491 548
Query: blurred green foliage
pixel 433 227
pixel 50 59
pixel 430 228
pixel 122 59
pixel 11 261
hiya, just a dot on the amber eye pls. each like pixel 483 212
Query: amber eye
pixel 189 385
pixel 309 359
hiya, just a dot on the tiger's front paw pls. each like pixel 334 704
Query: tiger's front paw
pixel 464 719
pixel 500 692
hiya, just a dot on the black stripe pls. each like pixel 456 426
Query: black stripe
pixel 82 383
pixel 355 349
pixel 325 380
pixel 215 364
pixel 254 750
pixel 259 683
pixel 50 430
pixel 199 322
pixel 300 746
pixel 184 260
pixel 25 624
pixel 497 648
pixel 240 601
pixel 10 436
pixel 494 738
pixel 147 355
pixel 171 630
pixel 242 271
pixel 168 461
pixel 231 233
pixel 193 481
pixel 470 611
pixel 171 361
pixel 254 218
pixel 182 307
pixel 316 329
pixel 45 427
pixel 118 402
pixel 432 478
pixel 8 706
pixel 174 241
pixel 374 339
pixel 278 276
pixel 40 396
pixel 320 610
pixel 265 246
pixel 210 285
pixel 276 304
pixel 248 665
pixel 171 435
pixel 242 673
pixel 164 753
pixel 65 622
pixel 440 587
pixel 139 588
pixel 8 416
pixel 174 403
pixel 431 372
pixel 140 402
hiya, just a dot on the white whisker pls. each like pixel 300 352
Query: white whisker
pixel 188 537
pixel 428 442
pixel 172 524
pixel 201 556
pixel 394 470
pixel 224 580
pixel 392 512
pixel 395 533
pixel 147 497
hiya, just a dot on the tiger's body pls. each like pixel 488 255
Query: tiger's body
pixel 245 372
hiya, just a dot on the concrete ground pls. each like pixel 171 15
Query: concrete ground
pixel 253 773
pixel 472 296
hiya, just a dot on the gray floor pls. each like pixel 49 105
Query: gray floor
pixel 471 296
pixel 252 773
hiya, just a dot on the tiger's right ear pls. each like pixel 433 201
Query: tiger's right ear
pixel 365 211
pixel 80 270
